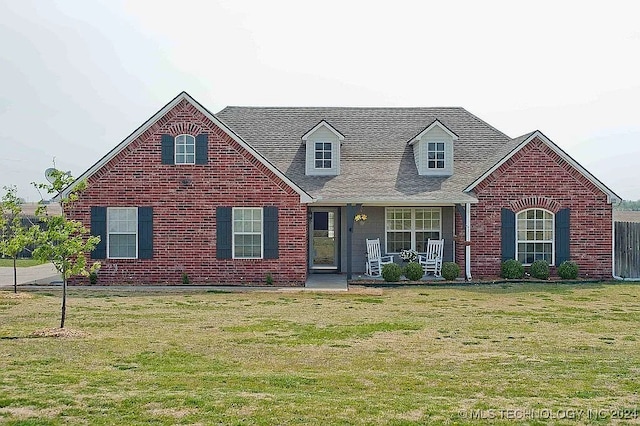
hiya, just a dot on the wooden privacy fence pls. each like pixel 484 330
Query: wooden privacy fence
pixel 627 249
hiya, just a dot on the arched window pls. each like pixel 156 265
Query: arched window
pixel 185 149
pixel 534 236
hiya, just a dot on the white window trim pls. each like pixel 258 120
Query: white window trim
pixel 233 232
pixel 122 233
pixel 323 150
pixel 175 149
pixel 553 235
pixel 444 154
pixel 413 229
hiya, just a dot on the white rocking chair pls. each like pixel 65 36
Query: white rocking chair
pixel 375 260
pixel 431 261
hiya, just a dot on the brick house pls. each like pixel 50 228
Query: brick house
pixel 252 192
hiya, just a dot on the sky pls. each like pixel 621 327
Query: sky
pixel 77 77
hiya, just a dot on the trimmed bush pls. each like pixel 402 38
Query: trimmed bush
pixel 450 271
pixel 93 278
pixel 568 270
pixel 413 271
pixel 512 269
pixel 539 269
pixel 391 272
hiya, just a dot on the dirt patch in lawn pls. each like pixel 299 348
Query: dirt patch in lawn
pixel 59 332
pixel 7 295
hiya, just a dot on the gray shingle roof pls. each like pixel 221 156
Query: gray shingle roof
pixel 376 161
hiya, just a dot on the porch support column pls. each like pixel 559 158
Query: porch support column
pixel 351 213
pixel 467 237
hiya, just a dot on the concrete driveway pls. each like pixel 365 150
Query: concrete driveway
pixel 41 274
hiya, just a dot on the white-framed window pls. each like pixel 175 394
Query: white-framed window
pixel 323 155
pixel 435 155
pixel 185 149
pixel 535 236
pixel 411 228
pixel 122 232
pixel 247 233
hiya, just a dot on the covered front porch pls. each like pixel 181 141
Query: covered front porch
pixel 337 242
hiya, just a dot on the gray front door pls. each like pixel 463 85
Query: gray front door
pixel 324 239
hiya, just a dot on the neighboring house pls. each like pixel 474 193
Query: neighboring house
pixel 250 191
pixel 29 219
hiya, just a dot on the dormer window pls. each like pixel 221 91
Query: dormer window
pixel 185 149
pixel 323 155
pixel 435 155
pixel 433 150
pixel 322 150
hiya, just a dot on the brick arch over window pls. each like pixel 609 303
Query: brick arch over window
pixel 184 128
pixel 562 234
pixel 535 203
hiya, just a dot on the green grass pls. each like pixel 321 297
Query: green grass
pixel 399 356
pixel 20 263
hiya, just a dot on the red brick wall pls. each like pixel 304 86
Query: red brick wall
pixel 184 200
pixel 537 177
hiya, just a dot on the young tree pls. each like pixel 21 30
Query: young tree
pixel 64 242
pixel 14 236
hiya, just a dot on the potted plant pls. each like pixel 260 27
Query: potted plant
pixel 409 255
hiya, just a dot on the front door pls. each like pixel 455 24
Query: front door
pixel 323 241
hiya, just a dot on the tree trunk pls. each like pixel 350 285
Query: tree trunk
pixel 64 298
pixel 15 276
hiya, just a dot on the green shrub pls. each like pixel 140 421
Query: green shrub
pixel 413 271
pixel 568 270
pixel 512 269
pixel 93 278
pixel 539 269
pixel 269 278
pixel 185 278
pixel 450 271
pixel 391 272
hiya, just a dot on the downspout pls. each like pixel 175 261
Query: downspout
pixel 467 247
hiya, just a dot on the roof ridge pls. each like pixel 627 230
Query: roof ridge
pixel 347 107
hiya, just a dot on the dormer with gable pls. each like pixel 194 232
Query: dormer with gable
pixel 323 150
pixel 433 150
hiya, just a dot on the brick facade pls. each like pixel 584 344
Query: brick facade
pixel 536 176
pixel 184 200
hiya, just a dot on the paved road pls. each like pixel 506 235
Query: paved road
pixel 41 274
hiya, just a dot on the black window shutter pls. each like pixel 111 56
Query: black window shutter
pixel 270 226
pixel 508 234
pixel 202 149
pixel 168 149
pixel 223 233
pixel 145 232
pixel 562 236
pixel 99 229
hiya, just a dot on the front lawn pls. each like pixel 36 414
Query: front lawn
pixel 537 353
pixel 20 263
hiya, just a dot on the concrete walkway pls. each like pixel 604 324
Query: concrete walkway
pixel 45 277
pixel 41 274
pixel 330 282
